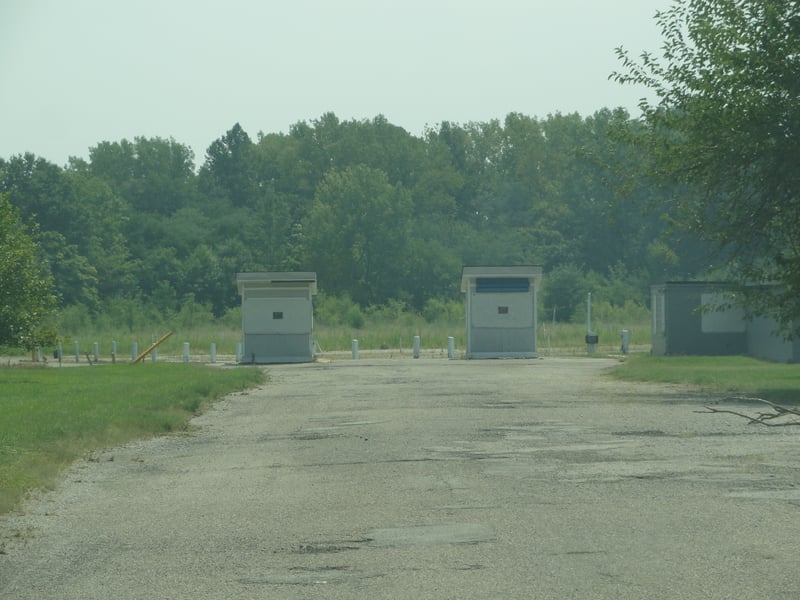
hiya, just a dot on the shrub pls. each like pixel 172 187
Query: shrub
pixel 232 318
pixel 75 318
pixel 354 317
pixel 393 310
pixel 564 292
pixel 337 310
pixel 192 313
pixel 447 311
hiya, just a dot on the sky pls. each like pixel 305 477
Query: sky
pixel 77 73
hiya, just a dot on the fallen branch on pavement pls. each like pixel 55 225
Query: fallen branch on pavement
pixel 762 418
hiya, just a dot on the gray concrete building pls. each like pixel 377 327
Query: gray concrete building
pixel 703 318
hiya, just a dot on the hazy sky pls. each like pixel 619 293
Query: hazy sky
pixel 78 72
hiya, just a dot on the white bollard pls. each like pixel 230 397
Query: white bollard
pixel 186 352
pixel 239 352
pixel 451 347
pixel 416 346
pixel 625 337
pixel 38 354
pixel 354 345
pixel 213 352
pixel 154 355
pixel 113 351
pixel 134 350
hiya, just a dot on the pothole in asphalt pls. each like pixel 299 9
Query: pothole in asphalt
pixel 325 548
pixel 452 533
pixel 786 494
pixel 305 436
pixel 301 576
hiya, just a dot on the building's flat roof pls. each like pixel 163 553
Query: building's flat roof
pixel 272 278
pixel 475 272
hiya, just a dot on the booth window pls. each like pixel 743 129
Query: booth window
pixel 502 310
pixel 502 284
pixel 277 315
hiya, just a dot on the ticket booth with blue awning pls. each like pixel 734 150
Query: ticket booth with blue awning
pixel 501 310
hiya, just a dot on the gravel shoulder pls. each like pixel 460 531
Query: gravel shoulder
pixel 430 478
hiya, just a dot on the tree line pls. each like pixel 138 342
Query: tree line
pixel 702 183
pixel 381 215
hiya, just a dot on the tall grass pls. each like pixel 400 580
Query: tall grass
pixel 337 322
pixel 49 417
pixel 569 338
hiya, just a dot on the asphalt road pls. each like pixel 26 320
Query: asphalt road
pixel 425 479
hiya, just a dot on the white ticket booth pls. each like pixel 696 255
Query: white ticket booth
pixel 277 316
pixel 501 311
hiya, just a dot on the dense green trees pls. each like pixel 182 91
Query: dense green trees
pixel 26 296
pixel 382 216
pixel 604 203
pixel 726 123
pixel 357 234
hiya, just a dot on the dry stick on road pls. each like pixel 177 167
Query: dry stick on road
pixel 762 418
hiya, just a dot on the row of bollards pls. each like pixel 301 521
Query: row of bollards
pixel 415 352
pixel 95 356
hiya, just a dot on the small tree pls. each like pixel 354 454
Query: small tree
pixel 726 125
pixel 26 287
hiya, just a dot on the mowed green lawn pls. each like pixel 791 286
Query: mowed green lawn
pixel 737 375
pixel 49 417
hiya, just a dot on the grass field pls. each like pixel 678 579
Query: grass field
pixel 50 416
pixel 737 375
